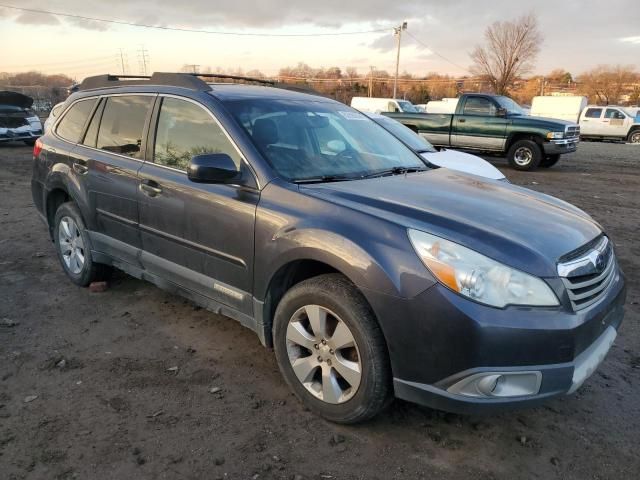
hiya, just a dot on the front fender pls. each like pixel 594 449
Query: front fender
pixel 373 253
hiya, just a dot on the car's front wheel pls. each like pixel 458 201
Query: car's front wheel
pixel 331 351
pixel 634 136
pixel 73 247
pixel 525 155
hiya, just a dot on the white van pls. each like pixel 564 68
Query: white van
pixel 446 105
pixel 566 108
pixel 378 105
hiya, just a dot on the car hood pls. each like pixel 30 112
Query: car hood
pixel 15 99
pixel 541 122
pixel 463 162
pixel 521 228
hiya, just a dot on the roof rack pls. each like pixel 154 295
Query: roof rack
pixel 192 81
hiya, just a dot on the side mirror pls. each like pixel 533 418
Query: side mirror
pixel 212 168
pixel 501 112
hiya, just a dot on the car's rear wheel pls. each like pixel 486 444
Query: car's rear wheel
pixel 331 351
pixel 525 155
pixel 634 136
pixel 73 247
pixel 550 160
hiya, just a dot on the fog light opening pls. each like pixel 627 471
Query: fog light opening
pixel 498 384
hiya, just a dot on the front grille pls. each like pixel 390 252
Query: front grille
pixel 588 276
pixel 572 131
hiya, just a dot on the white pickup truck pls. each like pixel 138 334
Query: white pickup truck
pixel 609 122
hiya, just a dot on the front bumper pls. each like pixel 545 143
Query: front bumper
pixel 439 338
pixel 558 147
pixel 19 134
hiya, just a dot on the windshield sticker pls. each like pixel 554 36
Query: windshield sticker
pixel 351 115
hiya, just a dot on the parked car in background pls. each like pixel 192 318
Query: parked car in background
pixel 377 105
pixel 496 123
pixel 443 157
pixel 370 274
pixel 566 108
pixel 610 122
pixel 18 122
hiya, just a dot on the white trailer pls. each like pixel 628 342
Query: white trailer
pixel 446 105
pixel 566 108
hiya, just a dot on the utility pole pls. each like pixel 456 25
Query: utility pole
pixel 372 68
pixel 143 56
pixel 398 33
pixel 542 82
pixel 122 61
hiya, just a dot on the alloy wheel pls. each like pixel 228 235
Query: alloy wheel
pixel 323 354
pixel 523 156
pixel 71 245
pixel 635 137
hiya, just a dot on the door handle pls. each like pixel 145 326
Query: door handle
pixel 462 120
pixel 80 167
pixel 150 188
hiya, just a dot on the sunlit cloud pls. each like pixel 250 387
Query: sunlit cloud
pixel 635 39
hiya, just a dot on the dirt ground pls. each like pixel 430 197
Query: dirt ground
pixel 89 386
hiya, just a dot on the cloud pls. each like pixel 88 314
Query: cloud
pixel 635 39
pixel 29 18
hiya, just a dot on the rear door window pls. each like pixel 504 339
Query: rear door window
pixel 72 124
pixel 613 113
pixel 122 124
pixel 593 113
pixel 479 106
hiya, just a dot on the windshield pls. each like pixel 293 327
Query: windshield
pixel 315 139
pixel 510 106
pixel 414 141
pixel 407 107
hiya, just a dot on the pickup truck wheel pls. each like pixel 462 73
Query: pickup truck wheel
pixel 525 155
pixel 550 160
pixel 73 247
pixel 634 136
pixel 331 351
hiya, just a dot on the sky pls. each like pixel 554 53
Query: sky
pixel 578 34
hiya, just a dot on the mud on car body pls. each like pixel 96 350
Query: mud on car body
pixel 370 274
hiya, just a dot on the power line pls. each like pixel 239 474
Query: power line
pixel 192 30
pixel 436 53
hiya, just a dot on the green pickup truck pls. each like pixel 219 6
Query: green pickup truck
pixel 495 123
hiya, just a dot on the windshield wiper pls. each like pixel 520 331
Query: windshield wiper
pixel 324 179
pixel 394 171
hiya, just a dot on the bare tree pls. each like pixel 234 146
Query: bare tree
pixel 510 52
pixel 606 84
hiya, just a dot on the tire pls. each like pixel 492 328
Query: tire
pixel 525 155
pixel 336 299
pixel 634 136
pixel 550 160
pixel 31 143
pixel 70 235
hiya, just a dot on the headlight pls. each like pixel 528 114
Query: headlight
pixel 478 277
pixel 555 135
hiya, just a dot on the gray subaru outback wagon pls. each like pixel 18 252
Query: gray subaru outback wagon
pixel 370 273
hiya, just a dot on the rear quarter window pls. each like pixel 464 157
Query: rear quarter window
pixel 71 125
